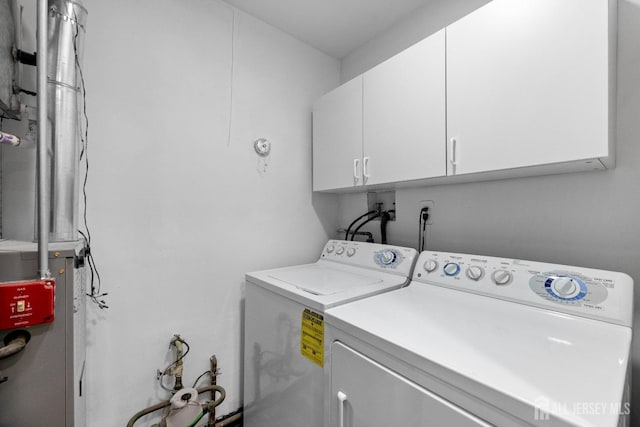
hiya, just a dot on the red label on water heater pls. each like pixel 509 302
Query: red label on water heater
pixel 27 303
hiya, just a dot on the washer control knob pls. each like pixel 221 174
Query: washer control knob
pixel 387 257
pixel 430 265
pixel 340 250
pixel 451 269
pixel 330 249
pixel 475 272
pixel 565 287
pixel 351 252
pixel 502 277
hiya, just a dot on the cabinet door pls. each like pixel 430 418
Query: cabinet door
pixel 404 115
pixel 366 394
pixel 527 84
pixel 337 138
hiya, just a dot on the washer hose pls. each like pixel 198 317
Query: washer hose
pixel 14 343
pixel 377 215
pixel 346 235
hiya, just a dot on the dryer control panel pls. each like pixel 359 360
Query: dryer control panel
pixel 388 258
pixel 597 294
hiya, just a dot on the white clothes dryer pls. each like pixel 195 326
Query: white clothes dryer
pixel 479 341
pixel 284 341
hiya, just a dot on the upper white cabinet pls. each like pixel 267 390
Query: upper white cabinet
pixel 404 115
pixel 528 84
pixel 337 138
pixel 515 88
pixel 385 126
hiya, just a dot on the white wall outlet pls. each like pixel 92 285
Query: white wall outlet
pixel 427 204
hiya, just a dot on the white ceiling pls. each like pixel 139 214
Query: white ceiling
pixel 335 27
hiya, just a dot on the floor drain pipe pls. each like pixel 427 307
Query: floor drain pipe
pixel 43 187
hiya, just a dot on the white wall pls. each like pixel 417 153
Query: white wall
pixel 178 211
pixel 434 16
pixel 584 219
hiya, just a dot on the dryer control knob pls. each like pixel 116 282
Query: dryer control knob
pixel 340 250
pixel 475 272
pixel 451 269
pixel 351 252
pixel 430 265
pixel 501 277
pixel 330 249
pixel 565 287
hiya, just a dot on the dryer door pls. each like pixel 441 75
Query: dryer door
pixel 366 394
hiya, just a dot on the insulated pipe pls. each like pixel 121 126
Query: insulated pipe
pixel 43 187
pixel 15 342
pixel 14 347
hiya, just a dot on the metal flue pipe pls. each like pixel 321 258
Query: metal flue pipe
pixel 60 30
pixel 43 188
pixel 66 29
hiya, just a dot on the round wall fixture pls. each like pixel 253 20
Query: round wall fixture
pixel 262 147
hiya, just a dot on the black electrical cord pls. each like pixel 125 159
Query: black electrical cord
pixel 346 236
pixel 377 215
pixel 28 92
pixel 95 293
pixel 195 383
pixel 422 228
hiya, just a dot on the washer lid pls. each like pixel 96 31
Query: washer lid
pixel 325 283
pixel 319 279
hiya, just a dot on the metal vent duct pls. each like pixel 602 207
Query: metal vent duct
pixel 7 39
pixel 66 30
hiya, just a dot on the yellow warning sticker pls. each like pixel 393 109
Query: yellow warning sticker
pixel 312 337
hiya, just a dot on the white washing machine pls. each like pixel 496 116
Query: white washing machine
pixel 284 342
pixel 479 341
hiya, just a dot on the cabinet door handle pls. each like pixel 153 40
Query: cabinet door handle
pixel 365 170
pixel 356 175
pixel 342 399
pixel 452 157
